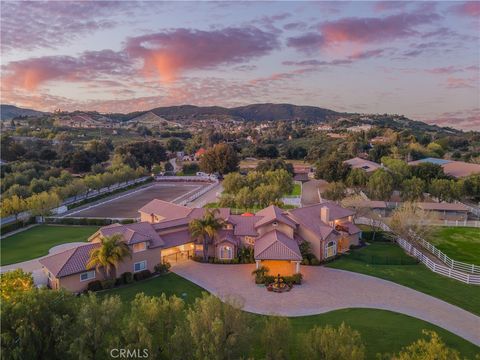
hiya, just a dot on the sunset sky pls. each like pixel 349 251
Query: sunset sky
pixel 420 59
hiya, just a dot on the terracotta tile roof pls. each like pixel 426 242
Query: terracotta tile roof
pixel 69 262
pixel 177 238
pixel 134 233
pixel 359 163
pixel 275 245
pixel 442 206
pixel 309 216
pixel 166 209
pixel 350 227
pixel 460 169
pixel 372 204
pixel 273 213
pixel 244 225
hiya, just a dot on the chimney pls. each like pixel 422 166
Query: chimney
pixel 325 214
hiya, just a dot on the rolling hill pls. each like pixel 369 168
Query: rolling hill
pixel 8 112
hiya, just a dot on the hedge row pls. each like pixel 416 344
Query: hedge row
pixel 16 225
pixel 86 221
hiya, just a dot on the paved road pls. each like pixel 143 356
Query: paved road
pixel 326 289
pixel 310 191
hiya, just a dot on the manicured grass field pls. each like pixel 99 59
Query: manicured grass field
pixel 459 243
pixel 297 190
pixel 36 242
pixel 416 276
pixel 170 284
pixel 382 331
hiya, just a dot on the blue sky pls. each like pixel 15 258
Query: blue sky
pixel 420 59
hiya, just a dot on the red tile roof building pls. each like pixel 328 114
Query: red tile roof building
pixel 162 235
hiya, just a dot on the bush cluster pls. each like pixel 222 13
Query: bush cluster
pixel 16 225
pixel 141 275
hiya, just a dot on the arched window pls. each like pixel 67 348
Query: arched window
pixel 226 252
pixel 330 249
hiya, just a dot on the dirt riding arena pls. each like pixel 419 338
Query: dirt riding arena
pixel 127 205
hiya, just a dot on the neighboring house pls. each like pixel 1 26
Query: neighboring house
pixel 446 211
pixel 199 153
pixel 163 235
pixel 457 169
pixel 379 207
pixel 366 165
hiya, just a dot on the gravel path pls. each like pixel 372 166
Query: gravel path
pixel 326 289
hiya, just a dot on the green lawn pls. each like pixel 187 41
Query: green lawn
pixel 382 331
pixel 170 284
pixel 416 276
pixel 297 190
pixel 36 242
pixel 459 243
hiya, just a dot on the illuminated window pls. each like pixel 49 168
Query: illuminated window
pixel 139 247
pixel 330 249
pixel 226 252
pixel 250 240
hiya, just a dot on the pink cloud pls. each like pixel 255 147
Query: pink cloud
pixel 468 8
pixel 29 74
pixel 461 83
pixel 382 6
pixel 361 31
pixel 468 119
pixel 367 30
pixel 168 53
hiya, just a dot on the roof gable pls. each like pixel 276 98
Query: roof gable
pixel 273 213
pixel 275 245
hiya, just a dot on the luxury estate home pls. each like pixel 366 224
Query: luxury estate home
pixel 163 235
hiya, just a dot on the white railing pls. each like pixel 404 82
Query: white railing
pixel 199 193
pixel 453 264
pixel 467 273
pixel 186 178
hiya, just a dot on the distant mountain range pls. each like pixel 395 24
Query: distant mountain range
pixel 8 112
pixel 254 112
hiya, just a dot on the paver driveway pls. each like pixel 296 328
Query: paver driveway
pixel 326 289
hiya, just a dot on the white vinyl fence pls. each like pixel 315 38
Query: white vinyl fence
pixel 467 273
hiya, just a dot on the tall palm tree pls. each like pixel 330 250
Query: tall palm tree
pixel 205 229
pixel 109 254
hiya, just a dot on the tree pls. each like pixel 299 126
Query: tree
pixel 245 198
pixel 333 169
pixel 143 153
pixel 36 324
pixel 222 158
pixel 13 206
pixel 206 229
pixel 357 179
pixel 97 324
pixel 329 343
pixel 266 195
pixel 217 330
pixel 335 191
pixel 398 168
pixel 433 348
pixel 168 166
pixel 281 179
pixel 471 187
pixel 108 255
pixel 12 282
pixel 427 171
pixel 379 151
pixel 445 190
pixel 175 144
pixel 80 161
pixel 380 185
pixel 233 182
pixel 42 204
pixel 98 151
pixel 267 165
pixel 409 221
pixel 277 338
pixel 151 324
pixel 412 189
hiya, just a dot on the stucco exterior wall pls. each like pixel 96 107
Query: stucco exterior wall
pixel 72 282
pixel 152 256
pixel 313 239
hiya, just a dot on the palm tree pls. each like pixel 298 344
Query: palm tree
pixel 109 254
pixel 205 229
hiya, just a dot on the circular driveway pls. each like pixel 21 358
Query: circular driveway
pixel 326 289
